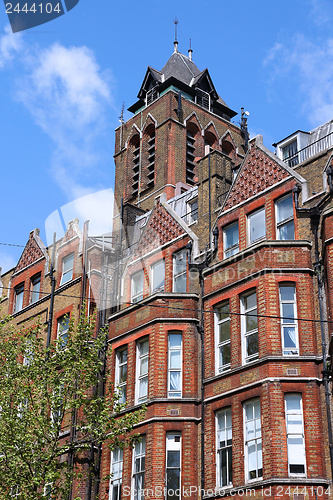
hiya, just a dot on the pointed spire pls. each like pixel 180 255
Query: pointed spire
pixel 175 43
pixel 190 51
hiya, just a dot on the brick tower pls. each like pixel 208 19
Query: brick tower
pixel 229 365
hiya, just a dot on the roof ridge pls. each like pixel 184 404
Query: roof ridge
pixel 182 57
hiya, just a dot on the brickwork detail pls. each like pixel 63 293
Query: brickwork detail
pixel 31 253
pixel 257 174
pixel 161 229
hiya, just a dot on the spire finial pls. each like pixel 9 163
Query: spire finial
pixel 175 43
pixel 190 51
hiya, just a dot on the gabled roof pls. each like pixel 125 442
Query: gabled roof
pixel 163 226
pixel 33 251
pixel 260 170
pixel 180 67
pixel 181 72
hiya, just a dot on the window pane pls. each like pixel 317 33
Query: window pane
pixel 224 330
pixel 231 236
pixel 175 382
pixel 289 337
pixel 35 289
pixel 257 225
pixel 144 366
pixel 173 481
pixel 287 292
pixel 223 312
pixel 293 402
pixel 288 313
pixel 68 263
pixel 175 340
pixel 285 209
pixel 158 276
pixel 250 301
pixel 173 459
pixel 251 321
pixel 19 298
pixel 180 284
pixel 252 344
pixel 144 347
pixel 175 359
pixel 137 283
pixel 287 231
pixel 225 357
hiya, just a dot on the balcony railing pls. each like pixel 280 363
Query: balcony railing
pixel 304 154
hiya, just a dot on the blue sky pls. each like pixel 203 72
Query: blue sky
pixel 63 85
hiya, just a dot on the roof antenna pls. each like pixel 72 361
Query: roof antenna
pixel 190 51
pixel 175 43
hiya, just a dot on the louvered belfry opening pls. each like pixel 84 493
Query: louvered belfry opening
pixel 151 156
pixel 135 147
pixel 190 156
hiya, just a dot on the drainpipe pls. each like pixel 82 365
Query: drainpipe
pixel 53 283
pixel 315 220
pixel 314 214
pixel 199 268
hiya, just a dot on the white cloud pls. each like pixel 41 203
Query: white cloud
pixel 68 96
pixel 321 11
pixel 95 207
pixel 10 45
pixel 308 68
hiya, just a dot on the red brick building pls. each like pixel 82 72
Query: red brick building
pixel 220 336
pixel 221 291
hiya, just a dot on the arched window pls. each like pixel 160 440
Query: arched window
pixel 228 148
pixel 210 142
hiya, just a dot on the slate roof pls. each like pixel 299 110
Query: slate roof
pixel 180 67
pixel 181 71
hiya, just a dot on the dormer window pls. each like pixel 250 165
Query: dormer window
pixel 151 95
pixel 203 98
pixel 289 153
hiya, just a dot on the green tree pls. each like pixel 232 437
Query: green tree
pixel 42 392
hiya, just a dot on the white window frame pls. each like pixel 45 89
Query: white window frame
pixel 48 490
pixel 157 289
pixel 181 256
pixel 121 386
pixel 173 444
pixel 35 290
pixel 221 345
pixel 223 435
pixel 18 293
pixel 230 251
pixel 62 330
pixel 141 377
pixel 249 225
pixel 173 393
pixel 136 297
pixel 139 453
pixel 15 491
pixel 247 312
pixel 67 274
pixel 286 221
pixel 284 320
pixel 255 441
pixel 116 474
pixel 292 434
pixel 192 212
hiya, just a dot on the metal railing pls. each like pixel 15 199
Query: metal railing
pixel 304 154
